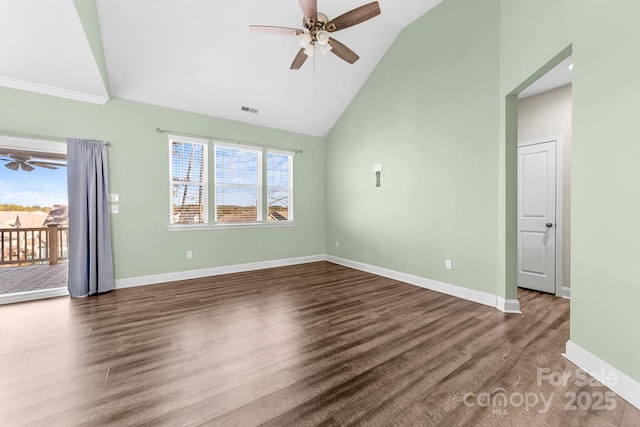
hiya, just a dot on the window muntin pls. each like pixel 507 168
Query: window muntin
pixel 189 181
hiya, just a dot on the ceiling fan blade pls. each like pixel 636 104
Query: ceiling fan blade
pixel 46 165
pixel 354 17
pixel 267 29
pixel 12 165
pixel 26 166
pixel 309 9
pixel 299 60
pixel 343 51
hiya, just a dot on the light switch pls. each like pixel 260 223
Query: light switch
pixel 113 198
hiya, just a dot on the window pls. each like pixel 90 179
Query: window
pixel 189 181
pixel 250 186
pixel 279 185
pixel 238 184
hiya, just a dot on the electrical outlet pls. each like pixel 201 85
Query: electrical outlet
pixel 113 209
pixel 337 244
pixel 377 167
pixel 448 264
pixel 189 254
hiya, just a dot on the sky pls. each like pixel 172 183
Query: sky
pixel 41 187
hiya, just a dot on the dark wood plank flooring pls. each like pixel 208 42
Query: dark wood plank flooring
pixel 315 344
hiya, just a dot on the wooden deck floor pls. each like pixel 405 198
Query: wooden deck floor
pixel 32 278
pixel 314 344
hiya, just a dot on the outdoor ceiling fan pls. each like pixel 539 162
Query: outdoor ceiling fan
pixel 25 162
pixel 317 30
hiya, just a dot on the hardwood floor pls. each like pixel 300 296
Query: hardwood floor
pixel 315 344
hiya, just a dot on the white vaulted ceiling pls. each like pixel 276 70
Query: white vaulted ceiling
pixel 195 55
pixel 43 48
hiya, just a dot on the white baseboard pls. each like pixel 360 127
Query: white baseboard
pixel 508 305
pixel 566 292
pixel 212 271
pixel 505 305
pixel 624 386
pixel 485 298
pixel 33 295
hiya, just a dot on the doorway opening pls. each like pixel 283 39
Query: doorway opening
pixel 544 139
pixel 33 219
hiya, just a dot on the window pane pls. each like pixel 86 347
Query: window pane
pixel 238 184
pixel 188 182
pixel 278 204
pixel 279 186
pixel 188 161
pixel 278 169
pixel 188 204
pixel 236 166
pixel 236 204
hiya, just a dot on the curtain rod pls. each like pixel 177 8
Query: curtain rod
pixel 43 137
pixel 224 140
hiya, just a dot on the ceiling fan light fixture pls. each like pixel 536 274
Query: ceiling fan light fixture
pixel 309 50
pixel 323 37
pixel 304 40
pixel 316 28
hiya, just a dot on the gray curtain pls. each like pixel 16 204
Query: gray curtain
pixel 90 257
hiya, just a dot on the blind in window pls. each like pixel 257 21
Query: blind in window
pixel 238 184
pixel 189 179
pixel 279 186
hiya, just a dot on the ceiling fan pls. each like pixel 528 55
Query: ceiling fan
pixel 25 162
pixel 317 29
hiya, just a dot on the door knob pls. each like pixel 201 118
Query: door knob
pixel 549 225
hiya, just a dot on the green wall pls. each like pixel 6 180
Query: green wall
pixel 429 115
pixel 606 200
pixel 603 38
pixel 139 173
pixel 440 114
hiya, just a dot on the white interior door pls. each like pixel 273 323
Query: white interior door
pixel 537 216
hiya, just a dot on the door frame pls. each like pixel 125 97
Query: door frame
pixel 560 289
pixel 47 146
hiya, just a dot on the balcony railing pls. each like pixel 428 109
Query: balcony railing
pixel 22 246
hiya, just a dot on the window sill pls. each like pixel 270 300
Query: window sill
pixel 194 227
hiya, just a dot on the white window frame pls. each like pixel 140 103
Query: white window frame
pixel 259 186
pixel 289 188
pixel 204 183
pixel 210 188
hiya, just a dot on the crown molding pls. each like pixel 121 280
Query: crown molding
pixel 53 91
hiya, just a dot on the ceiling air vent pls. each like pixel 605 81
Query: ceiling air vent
pixel 249 110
